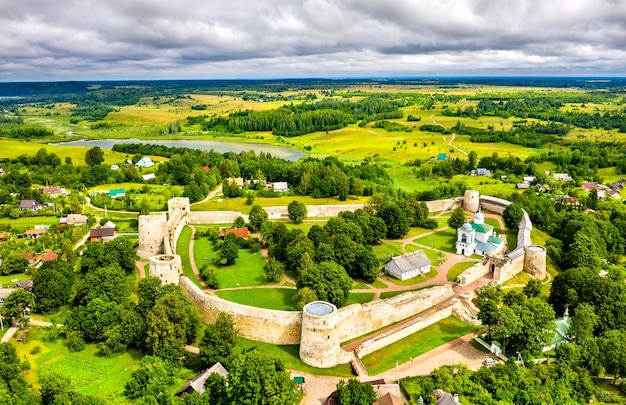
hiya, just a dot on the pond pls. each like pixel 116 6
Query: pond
pixel 219 146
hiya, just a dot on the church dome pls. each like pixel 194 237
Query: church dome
pixel 467 226
pixel 479 218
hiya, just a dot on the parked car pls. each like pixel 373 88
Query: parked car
pixel 490 362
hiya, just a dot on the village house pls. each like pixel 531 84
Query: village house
pixel 562 177
pixel 280 186
pixel 409 265
pixel 522 186
pixel 33 233
pixel 589 185
pixel 4 236
pixel 144 162
pixel 32 205
pixel 477 238
pixel 238 181
pixel 115 167
pixel 49 256
pixel 53 192
pixel 149 176
pixel 239 232
pixel 481 171
pixel 76 219
pixel 196 384
pixel 4 294
pixel 102 234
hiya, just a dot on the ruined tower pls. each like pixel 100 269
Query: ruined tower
pixel 319 342
pixel 152 231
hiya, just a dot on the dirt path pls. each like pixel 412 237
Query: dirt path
pixel 142 268
pixel 192 261
pixel 454 352
pixel 209 196
pixel 449 142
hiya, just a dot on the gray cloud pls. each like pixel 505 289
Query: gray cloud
pixel 89 39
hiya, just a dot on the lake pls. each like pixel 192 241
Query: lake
pixel 218 146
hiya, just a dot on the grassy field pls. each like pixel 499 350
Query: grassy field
pixel 9 281
pixel 28 222
pixel 12 148
pixel 444 240
pixel 416 344
pixel 182 249
pixel 289 354
pixel 457 269
pixel 270 298
pixel 90 373
pixel 412 281
pixel 239 204
pixel 389 294
pixel 387 249
pixel 359 298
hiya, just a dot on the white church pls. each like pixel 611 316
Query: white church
pixel 478 237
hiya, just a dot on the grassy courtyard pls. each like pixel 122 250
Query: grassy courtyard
pixel 443 240
pixel 416 344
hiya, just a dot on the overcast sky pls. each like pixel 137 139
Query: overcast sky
pixel 178 39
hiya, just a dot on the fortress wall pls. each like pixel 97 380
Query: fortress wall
pixel 444 205
pixel 510 269
pixel 525 228
pixel 214 217
pixel 380 341
pixel 265 325
pixel 177 231
pixel 331 210
pixel 313 210
pixel 359 319
pixel 474 273
pixel 494 204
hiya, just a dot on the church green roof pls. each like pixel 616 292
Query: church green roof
pixel 495 240
pixel 484 228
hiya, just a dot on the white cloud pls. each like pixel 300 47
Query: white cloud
pixel 89 39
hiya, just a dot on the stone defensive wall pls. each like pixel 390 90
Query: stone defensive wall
pixel 444 205
pixel 359 319
pixel 284 327
pixel 402 331
pixel 215 217
pixel 265 325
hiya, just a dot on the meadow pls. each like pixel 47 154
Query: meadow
pixel 416 344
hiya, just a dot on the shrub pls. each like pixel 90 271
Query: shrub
pixel 75 341
pixel 210 277
pixel 35 350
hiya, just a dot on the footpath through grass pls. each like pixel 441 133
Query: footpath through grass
pixel 416 344
pixel 182 249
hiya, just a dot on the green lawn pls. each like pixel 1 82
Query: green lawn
pixel 90 374
pixel 270 298
pixel 9 281
pixel 182 249
pixel 444 240
pixel 413 281
pixel 28 222
pixel 359 298
pixel 433 255
pixel 289 354
pixel 379 284
pixel 416 344
pixel 387 249
pixel 457 269
pixel 239 204
pixel 246 272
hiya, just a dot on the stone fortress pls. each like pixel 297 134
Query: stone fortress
pixel 321 327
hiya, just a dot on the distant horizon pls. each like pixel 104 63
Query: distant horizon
pixel 588 78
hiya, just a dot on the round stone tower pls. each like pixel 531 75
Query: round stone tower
pixel 319 342
pixel 471 200
pixel 152 231
pixel 535 261
pixel 166 267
